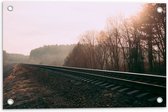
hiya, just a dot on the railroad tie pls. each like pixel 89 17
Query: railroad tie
pixel 104 84
pixel 142 95
pixel 98 83
pixel 94 82
pixel 86 80
pixel 108 86
pixel 89 80
pixel 132 92
pixel 122 90
pixel 152 99
pixel 83 79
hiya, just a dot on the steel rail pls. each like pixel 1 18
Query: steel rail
pixel 132 79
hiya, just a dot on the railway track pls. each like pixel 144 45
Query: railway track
pixel 142 86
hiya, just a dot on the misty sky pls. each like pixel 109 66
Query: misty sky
pixel 34 24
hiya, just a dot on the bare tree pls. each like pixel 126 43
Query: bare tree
pixel 136 44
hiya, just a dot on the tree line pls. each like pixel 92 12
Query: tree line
pixel 50 54
pixel 135 44
pixel 47 54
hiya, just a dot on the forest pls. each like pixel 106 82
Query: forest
pixel 135 44
pixel 50 54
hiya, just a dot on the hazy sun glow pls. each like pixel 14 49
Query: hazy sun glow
pixel 131 10
pixel 34 24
